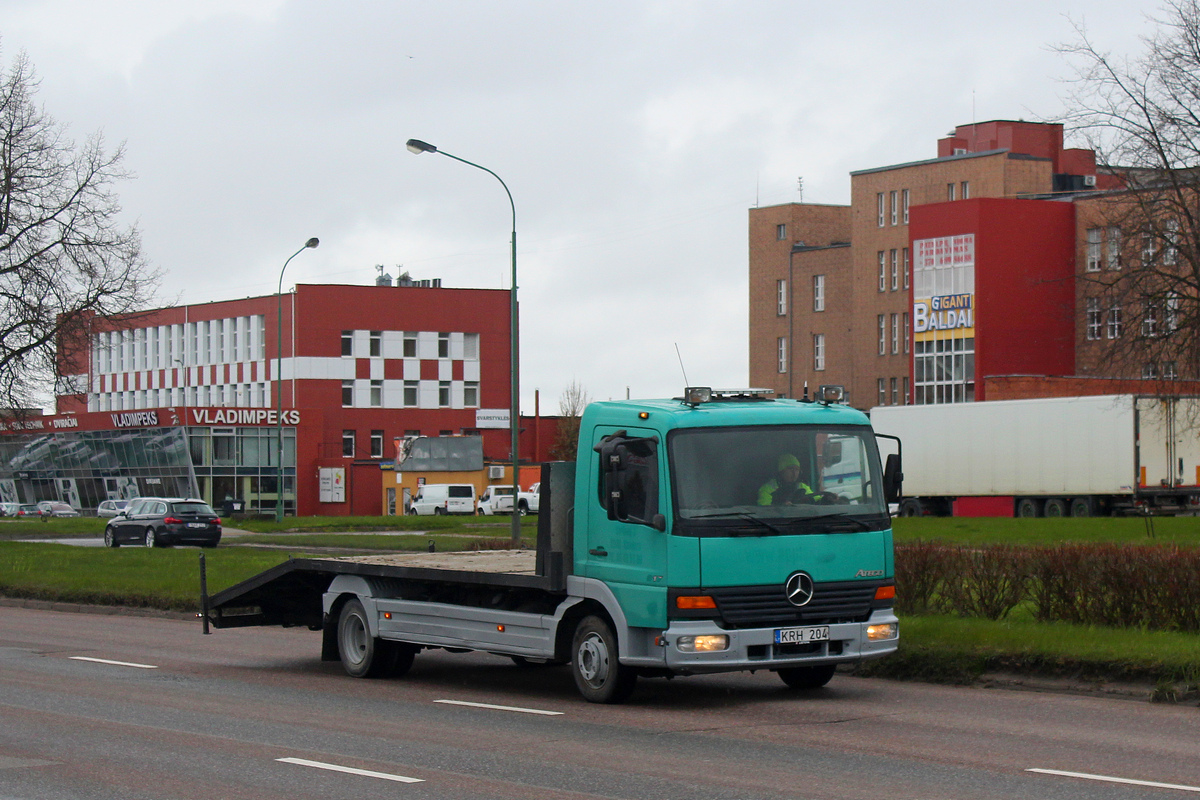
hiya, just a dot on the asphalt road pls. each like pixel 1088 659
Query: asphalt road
pixel 96 706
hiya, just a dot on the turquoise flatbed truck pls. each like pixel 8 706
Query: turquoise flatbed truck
pixel 656 556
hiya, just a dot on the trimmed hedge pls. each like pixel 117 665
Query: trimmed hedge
pixel 1122 586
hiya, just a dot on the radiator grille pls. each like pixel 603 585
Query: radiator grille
pixel 765 606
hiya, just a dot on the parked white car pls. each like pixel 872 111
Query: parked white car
pixel 529 502
pixel 496 500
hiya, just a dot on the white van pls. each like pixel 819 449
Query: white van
pixel 443 498
pixel 496 500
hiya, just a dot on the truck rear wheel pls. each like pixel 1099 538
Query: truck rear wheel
pixel 807 677
pixel 595 664
pixel 1029 507
pixel 363 655
pixel 1081 507
pixel 1055 508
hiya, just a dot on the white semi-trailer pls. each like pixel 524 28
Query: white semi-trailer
pixel 1077 456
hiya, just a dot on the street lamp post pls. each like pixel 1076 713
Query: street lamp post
pixel 313 242
pixel 417 146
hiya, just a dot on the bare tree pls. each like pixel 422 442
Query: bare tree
pixel 64 256
pixel 1141 280
pixel 570 408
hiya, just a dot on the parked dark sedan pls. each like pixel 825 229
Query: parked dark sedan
pixel 164 521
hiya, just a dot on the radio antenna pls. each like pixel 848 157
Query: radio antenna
pixel 681 367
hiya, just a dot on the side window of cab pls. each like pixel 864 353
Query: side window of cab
pixel 628 479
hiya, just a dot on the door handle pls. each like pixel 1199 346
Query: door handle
pixel 598 551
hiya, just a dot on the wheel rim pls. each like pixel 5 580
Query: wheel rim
pixel 108 538
pixel 150 538
pixel 593 660
pixel 354 639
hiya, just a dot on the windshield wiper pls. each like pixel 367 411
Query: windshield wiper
pixel 835 518
pixel 757 521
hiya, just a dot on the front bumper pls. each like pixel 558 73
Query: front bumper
pixel 755 648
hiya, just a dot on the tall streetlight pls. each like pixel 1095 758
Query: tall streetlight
pixel 418 147
pixel 313 242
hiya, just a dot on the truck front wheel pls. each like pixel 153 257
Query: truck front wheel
pixel 599 674
pixel 364 656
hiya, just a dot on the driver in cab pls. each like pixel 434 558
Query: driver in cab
pixel 786 488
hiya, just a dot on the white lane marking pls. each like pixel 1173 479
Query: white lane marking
pixel 303 762
pixel 501 708
pixel 114 663
pixel 1110 779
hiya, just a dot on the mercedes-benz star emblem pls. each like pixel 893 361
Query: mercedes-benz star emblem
pixel 799 589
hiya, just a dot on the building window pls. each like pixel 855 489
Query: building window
pixel 907 333
pixel 818 292
pixel 1113 236
pixel 965 194
pixel 879 204
pixel 882 391
pixel 907 265
pixel 410 394
pixel 376 340
pixel 894 260
pixel 1095 318
pixel 347 394
pixel 904 389
pixel 1150 371
pixel 471 394
pixel 1114 322
pixel 347 343
pixel 780 297
pixel 471 346
pixel 410 344
pixel 895 390
pixel 1171 251
pixel 376 444
pixel 781 353
pixel 1147 249
pixel 882 320
pixel 894 206
pixel 904 204
pixel 443 394
pixel 1093 249
pixel 443 345
pixel 1170 370
pixel 895 334
pixel 348 444
pixel 819 352
pixel 882 271
pixel 376 394
pixel 1150 320
pixel 781 232
pixel 950 192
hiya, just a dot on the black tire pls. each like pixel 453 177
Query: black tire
pixel 911 508
pixel 595 663
pixel 362 655
pixel 150 539
pixel 1082 507
pixel 807 677
pixel 437 512
pixel 1029 507
pixel 1055 508
pixel 110 539
pixel 412 512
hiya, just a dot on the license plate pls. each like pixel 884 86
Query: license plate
pixel 197 524
pixel 814 633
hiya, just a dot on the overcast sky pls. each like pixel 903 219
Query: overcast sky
pixel 633 136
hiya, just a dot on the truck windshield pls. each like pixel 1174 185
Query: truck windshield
pixel 777 474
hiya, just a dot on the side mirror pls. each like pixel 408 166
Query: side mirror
pixel 893 479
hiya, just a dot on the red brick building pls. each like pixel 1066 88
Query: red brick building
pixel 938 276
pixel 183 400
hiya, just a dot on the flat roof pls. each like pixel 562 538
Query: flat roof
pixel 959 157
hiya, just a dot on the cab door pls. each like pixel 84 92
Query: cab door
pixel 626 541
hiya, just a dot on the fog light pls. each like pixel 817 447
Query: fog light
pixel 888 630
pixel 702 644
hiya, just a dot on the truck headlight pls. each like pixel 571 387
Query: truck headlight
pixel 888 630
pixel 702 644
